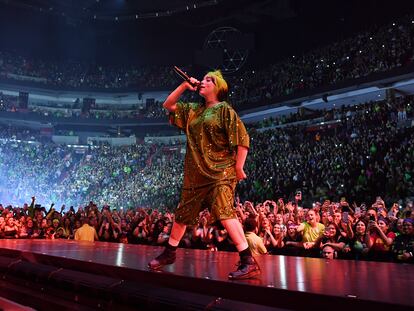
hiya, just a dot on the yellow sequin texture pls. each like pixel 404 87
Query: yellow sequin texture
pixel 213 135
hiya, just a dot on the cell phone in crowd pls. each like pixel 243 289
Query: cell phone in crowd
pixel 357 210
pixel 331 210
pixel 345 217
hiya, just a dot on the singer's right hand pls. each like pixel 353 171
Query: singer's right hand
pixel 193 84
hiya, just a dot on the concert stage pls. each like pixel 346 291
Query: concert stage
pixel 46 274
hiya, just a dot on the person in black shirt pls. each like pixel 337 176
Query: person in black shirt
pixel 403 247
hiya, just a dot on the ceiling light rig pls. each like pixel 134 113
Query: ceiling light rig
pixel 92 12
pixel 158 13
pixel 107 16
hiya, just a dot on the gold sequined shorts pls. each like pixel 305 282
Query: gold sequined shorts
pixel 219 200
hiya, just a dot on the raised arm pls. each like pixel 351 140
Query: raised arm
pixel 171 102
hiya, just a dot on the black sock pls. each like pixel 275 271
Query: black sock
pixel 245 253
pixel 170 247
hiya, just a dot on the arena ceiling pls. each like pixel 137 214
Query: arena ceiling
pixel 123 10
pixel 152 31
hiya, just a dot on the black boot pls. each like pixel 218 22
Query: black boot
pixel 247 269
pixel 167 257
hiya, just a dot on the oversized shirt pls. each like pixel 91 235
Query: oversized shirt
pixel 213 135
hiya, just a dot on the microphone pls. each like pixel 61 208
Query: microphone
pixel 185 76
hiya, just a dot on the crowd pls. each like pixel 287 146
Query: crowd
pixel 366 153
pixel 304 179
pixel 327 229
pixel 67 174
pixel 300 177
pixel 154 110
pixel 379 49
pixel 78 75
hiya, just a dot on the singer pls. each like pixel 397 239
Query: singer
pixel 217 146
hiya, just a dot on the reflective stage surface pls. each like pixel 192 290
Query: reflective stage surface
pixel 284 281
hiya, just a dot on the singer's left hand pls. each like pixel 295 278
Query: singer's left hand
pixel 240 174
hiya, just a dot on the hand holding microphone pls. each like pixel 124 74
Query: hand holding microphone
pixel 194 84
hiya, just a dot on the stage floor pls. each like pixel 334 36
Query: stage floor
pixel 206 271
